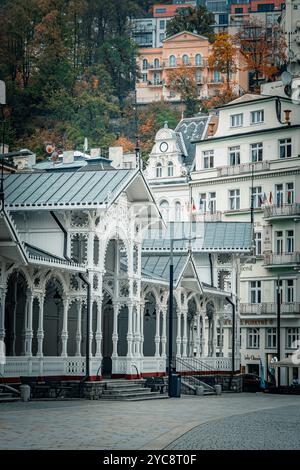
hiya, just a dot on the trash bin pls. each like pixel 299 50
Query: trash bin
pixel 218 389
pixel 175 386
pixel 25 392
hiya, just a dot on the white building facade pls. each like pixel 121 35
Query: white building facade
pixel 248 151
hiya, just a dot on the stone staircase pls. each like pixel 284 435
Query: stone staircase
pixel 7 394
pixel 190 384
pixel 129 390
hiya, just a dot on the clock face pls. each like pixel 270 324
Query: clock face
pixel 163 147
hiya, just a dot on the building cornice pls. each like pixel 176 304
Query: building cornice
pixel 238 178
pixel 245 134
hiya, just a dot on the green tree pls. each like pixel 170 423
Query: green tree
pixel 196 20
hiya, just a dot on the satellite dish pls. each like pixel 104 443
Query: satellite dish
pixel 288 90
pixel 286 78
pixel 294 68
pixel 50 148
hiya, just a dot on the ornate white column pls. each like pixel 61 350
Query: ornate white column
pixel 137 347
pixel 214 335
pixel 204 339
pixel 198 338
pixel 14 320
pixel 192 338
pixel 64 333
pixel 164 332
pixel 184 337
pixel 98 334
pixel 78 336
pixel 130 330
pixel 221 324
pixel 28 327
pixel 91 327
pixel 157 332
pixel 2 314
pixel 115 336
pixel 178 337
pixel 40 331
pixel 142 308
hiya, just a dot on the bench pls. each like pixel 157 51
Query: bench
pixel 157 384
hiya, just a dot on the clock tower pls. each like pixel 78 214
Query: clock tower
pixel 166 159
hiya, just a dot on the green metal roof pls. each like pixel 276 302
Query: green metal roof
pixel 210 236
pixel 158 266
pixel 44 190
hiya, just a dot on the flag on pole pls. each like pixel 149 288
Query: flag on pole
pixel 289 197
pixel 270 197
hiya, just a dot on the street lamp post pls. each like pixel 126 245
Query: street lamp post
pixel 278 329
pixel 171 289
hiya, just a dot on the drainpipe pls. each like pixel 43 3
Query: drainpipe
pixel 233 339
pixel 211 270
pixel 88 299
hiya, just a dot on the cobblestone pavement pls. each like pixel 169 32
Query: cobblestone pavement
pixel 149 425
pixel 275 429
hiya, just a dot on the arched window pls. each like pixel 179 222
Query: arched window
pixel 145 64
pixel 198 76
pixel 159 170
pixel 170 169
pixel 185 59
pixel 198 59
pixel 172 61
pixel 156 63
pixel 177 211
pixel 164 205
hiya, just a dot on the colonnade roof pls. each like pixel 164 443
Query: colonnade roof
pixel 205 237
pixel 64 189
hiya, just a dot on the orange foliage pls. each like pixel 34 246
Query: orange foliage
pixel 223 55
pixel 127 145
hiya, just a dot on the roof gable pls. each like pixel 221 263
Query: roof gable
pixel 183 36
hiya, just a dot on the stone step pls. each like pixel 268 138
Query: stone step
pixel 160 396
pixel 135 391
pixel 133 396
pixel 123 386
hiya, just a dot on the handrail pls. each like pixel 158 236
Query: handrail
pixel 193 379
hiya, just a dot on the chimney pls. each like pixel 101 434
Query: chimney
pixel 211 128
pixel 287 119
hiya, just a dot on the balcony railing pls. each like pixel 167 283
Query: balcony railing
pixel 283 210
pixel 156 82
pixel 212 217
pixel 281 258
pixel 269 308
pixel 230 170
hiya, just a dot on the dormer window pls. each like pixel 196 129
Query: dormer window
pixel 159 170
pixel 236 120
pixel 170 169
pixel 257 116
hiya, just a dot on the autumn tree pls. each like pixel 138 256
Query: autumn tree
pixel 262 48
pixel 183 82
pixel 196 20
pixel 223 56
pixel 223 96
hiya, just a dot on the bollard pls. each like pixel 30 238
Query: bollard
pixel 200 390
pixel 25 392
pixel 218 389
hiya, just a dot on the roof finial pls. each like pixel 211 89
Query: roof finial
pixel 166 125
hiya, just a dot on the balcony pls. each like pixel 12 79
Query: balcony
pixel 230 170
pixel 282 211
pixel 156 83
pixel 269 308
pixel 212 217
pixel 282 259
